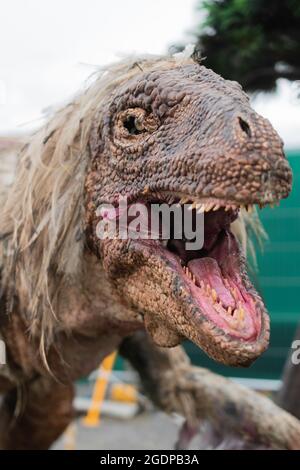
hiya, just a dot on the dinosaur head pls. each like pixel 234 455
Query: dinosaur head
pixel 177 133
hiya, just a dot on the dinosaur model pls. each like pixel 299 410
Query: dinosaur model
pixel 155 129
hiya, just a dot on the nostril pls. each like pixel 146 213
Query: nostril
pixel 245 126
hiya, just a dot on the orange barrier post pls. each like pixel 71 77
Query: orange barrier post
pixel 125 393
pixel 92 417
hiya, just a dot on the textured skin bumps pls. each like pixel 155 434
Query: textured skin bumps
pixel 199 136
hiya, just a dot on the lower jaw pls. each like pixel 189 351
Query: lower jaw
pixel 225 348
pixel 229 350
pixel 220 294
pixel 241 326
pixel 182 317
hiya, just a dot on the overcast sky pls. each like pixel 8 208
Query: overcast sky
pixel 47 49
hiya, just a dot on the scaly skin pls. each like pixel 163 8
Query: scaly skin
pixel 177 132
pixel 198 138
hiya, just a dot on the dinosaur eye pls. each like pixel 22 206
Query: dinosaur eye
pixel 133 125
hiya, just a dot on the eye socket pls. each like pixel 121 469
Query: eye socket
pixel 131 124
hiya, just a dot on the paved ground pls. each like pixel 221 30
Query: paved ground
pixel 147 431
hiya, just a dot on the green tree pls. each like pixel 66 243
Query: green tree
pixel 252 41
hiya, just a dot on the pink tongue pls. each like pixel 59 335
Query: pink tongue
pixel 208 271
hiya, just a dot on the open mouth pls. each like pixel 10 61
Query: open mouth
pixel 215 274
pixel 202 294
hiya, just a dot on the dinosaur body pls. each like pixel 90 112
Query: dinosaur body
pixel 163 130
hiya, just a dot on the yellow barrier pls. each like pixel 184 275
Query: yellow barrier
pixel 124 393
pixel 92 417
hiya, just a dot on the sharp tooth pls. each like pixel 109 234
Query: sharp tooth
pixel 241 313
pixel 194 205
pixel 183 200
pixel 217 206
pixel 194 279
pixel 188 272
pixel 234 293
pixel 214 295
pixel 250 208
pixel 202 285
pixel 208 207
pixel 208 288
pixel 227 208
pixel 229 310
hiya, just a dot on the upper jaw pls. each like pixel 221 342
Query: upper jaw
pixel 198 201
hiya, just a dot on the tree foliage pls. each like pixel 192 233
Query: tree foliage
pixel 252 41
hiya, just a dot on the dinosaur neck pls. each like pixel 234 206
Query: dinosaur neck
pixel 95 303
